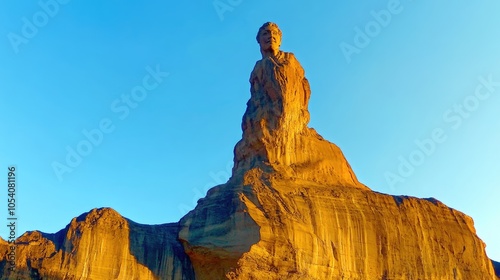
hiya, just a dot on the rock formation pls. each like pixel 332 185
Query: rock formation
pixel 293 209
pixel 101 244
pixel 275 133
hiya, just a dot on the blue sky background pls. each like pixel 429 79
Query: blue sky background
pixel 178 141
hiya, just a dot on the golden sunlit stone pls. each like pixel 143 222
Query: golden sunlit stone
pixel 101 244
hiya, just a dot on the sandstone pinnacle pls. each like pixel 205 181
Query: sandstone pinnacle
pixel 276 137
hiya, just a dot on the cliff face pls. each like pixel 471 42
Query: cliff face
pixel 293 209
pixel 307 231
pixel 101 244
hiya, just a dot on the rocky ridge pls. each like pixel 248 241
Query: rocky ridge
pixel 101 244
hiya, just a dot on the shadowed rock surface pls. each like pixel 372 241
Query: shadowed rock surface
pixel 293 209
pixel 496 266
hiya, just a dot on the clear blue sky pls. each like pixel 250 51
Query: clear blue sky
pixel 85 65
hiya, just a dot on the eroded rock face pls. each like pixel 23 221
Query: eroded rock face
pixel 308 231
pixel 101 244
pixel 266 227
pixel 275 133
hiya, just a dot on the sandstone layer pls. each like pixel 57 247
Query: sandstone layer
pixel 99 245
pixel 271 228
pixel 258 230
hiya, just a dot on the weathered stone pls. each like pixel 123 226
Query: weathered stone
pixel 275 133
pixel 101 244
pixel 293 208
pixel 273 228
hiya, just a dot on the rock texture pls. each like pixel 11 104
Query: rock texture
pixel 275 133
pixel 101 244
pixel 307 231
pixel 293 209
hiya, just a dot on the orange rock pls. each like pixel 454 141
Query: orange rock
pixel 275 133
pixel 268 227
pixel 101 244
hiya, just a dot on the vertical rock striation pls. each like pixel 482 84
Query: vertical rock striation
pixel 101 244
pixel 275 133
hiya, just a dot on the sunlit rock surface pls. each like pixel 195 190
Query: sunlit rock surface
pixel 275 133
pixel 270 228
pixel 101 244
pixel 294 209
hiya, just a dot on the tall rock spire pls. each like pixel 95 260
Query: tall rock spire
pixel 271 220
pixel 275 133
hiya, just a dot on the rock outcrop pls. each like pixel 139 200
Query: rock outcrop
pixel 293 209
pixel 101 244
pixel 275 133
pixel 307 231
